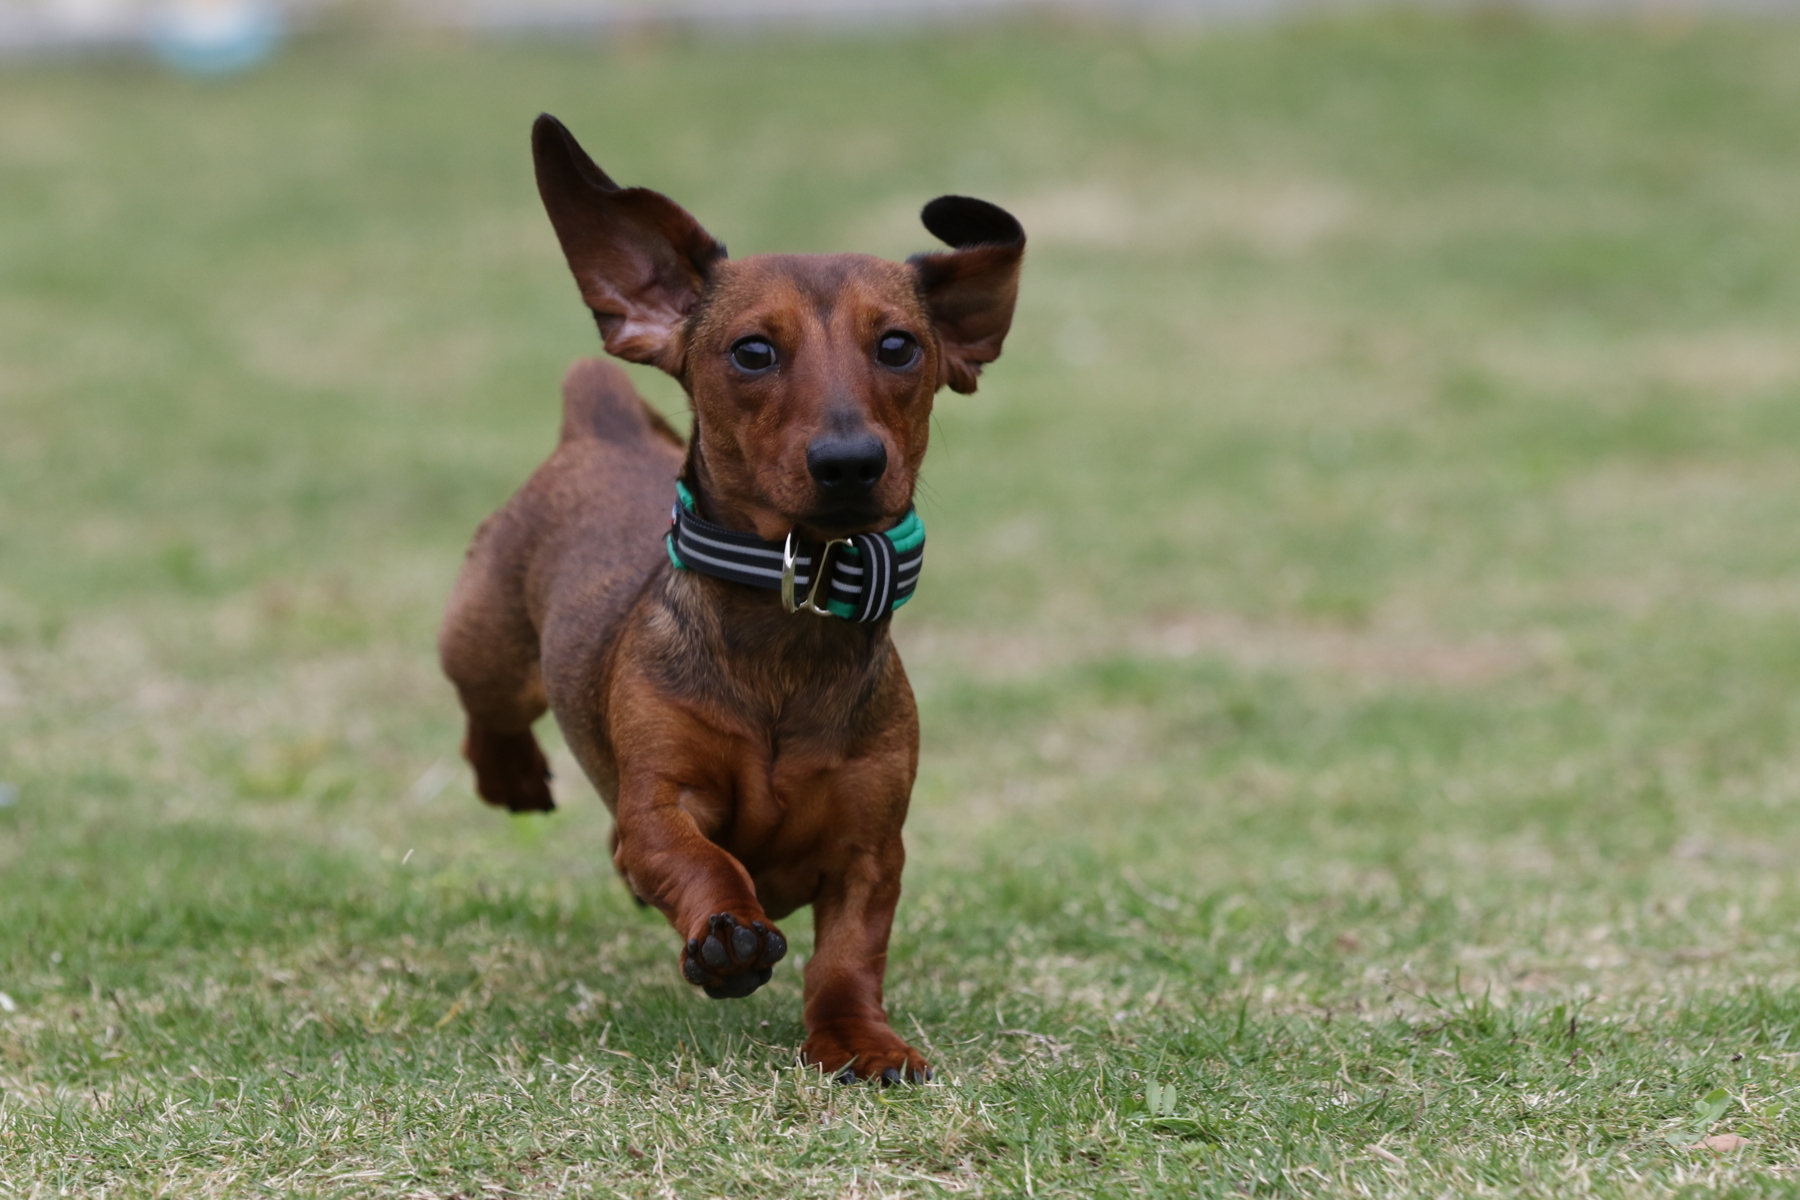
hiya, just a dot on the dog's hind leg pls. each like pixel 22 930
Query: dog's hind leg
pixel 489 649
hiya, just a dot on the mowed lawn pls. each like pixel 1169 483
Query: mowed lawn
pixel 1359 651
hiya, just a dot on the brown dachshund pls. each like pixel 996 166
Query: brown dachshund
pixel 709 622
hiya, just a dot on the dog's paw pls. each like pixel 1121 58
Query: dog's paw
pixel 730 958
pixel 869 1052
pixel 510 771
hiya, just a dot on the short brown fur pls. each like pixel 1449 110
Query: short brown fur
pixel 754 760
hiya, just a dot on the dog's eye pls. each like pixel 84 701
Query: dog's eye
pixel 753 354
pixel 896 349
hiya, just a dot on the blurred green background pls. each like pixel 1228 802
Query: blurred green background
pixel 1358 653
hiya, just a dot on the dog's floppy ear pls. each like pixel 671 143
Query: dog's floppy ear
pixel 638 257
pixel 970 290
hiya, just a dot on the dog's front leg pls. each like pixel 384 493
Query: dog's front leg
pixel 730 946
pixel 847 1031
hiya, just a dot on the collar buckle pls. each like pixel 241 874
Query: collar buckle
pixel 790 559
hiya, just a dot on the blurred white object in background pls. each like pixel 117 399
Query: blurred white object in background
pixel 92 17
pixel 214 37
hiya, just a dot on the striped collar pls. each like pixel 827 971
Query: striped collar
pixel 869 575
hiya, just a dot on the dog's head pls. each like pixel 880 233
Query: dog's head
pixel 811 376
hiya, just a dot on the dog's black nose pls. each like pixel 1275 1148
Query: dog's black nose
pixel 846 465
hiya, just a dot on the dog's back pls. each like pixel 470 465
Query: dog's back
pixel 604 495
pixel 582 536
pixel 599 402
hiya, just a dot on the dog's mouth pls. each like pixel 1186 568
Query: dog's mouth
pixel 843 522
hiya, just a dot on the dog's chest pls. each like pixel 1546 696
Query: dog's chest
pixel 785 778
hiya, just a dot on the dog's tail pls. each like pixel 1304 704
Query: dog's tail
pixel 599 402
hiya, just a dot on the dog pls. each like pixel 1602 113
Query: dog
pixel 708 620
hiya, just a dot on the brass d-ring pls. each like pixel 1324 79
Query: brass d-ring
pixel 790 558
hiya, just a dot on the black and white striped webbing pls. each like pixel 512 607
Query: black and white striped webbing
pixel 869 578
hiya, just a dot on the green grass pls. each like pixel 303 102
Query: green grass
pixel 1359 659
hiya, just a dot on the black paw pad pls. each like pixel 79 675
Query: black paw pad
pixel 736 987
pixel 890 1077
pixel 774 945
pixel 847 1075
pixel 691 968
pixel 731 960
